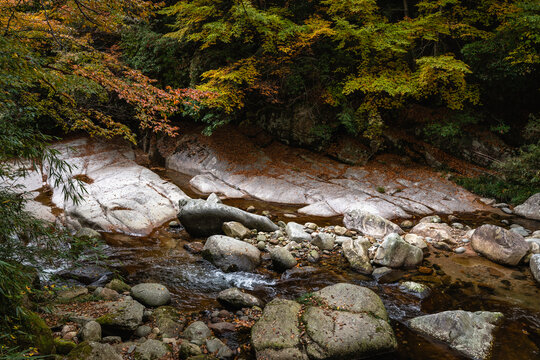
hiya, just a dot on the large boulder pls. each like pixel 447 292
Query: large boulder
pixel 277 335
pixel 535 266
pixel 204 218
pixel 499 245
pixel 356 252
pixel 230 254
pixel 123 316
pixel 470 333
pixel 237 299
pixel 530 208
pixel 342 321
pixel 36 333
pixel 296 232
pixel 151 294
pixel 437 231
pixel 394 252
pixel 370 224
pixel 93 351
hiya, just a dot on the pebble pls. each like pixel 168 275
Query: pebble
pixel 174 224
pixel 311 226
pixel 460 250
pixel 261 237
pixel 261 245
pixel 340 230
pixel 505 222
pixel 507 210
pixel 457 225
pixel 406 224
pixel 465 241
pixel 251 209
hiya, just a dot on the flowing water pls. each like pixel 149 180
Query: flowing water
pixel 461 282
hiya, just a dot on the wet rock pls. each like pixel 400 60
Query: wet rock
pixel 167 319
pixel 204 218
pixel 118 286
pixel 470 333
pixel 420 290
pixel 174 225
pixel 230 254
pixel 151 350
pixel 460 250
pixel 353 324
pixel 197 332
pixel 106 294
pixel 87 233
pixel 236 230
pixel 534 265
pixel 436 231
pixel 124 315
pixel 282 259
pixel 151 294
pixel 87 274
pixel 195 247
pixel 91 331
pixel 237 299
pixel 296 232
pixel 395 252
pixel 70 294
pixel 370 224
pixel 507 210
pixel 143 331
pixel 356 252
pixel 93 351
pixel 324 241
pixel 416 240
pixel 276 335
pixel 499 245
pixel 530 208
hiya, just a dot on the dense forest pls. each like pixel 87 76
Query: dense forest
pixel 437 69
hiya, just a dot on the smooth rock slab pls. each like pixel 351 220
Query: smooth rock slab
pixel 470 333
pixel 204 218
pixel 370 224
pixel 395 252
pixel 499 245
pixel 230 254
pixel 151 294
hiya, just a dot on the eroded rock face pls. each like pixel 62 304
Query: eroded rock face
pixel 470 333
pixel 370 224
pixel 394 252
pixel 205 218
pixel 530 208
pixel 342 321
pixel 499 245
pixel 230 254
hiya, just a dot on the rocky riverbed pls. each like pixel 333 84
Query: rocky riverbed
pixel 263 280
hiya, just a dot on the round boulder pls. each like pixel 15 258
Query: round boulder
pixel 230 254
pixel 499 245
pixel 151 294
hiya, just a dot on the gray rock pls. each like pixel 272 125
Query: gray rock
pixel 151 294
pixel 230 254
pixel 352 324
pixel 90 350
pixel 276 334
pixel 395 252
pixel 167 319
pixel 91 331
pixel 520 230
pixel 313 256
pixel 106 293
pixel 123 315
pixel 507 210
pixel 406 224
pixel 296 232
pixel 534 265
pixel 534 245
pixel 197 332
pixel 420 290
pixel 204 218
pixel 324 241
pixel 416 240
pixel 188 349
pixel 433 219
pixel 437 231
pixel 87 274
pixel 499 245
pixel 236 230
pixel 341 239
pixel 143 331
pixel 311 226
pixel 340 230
pixel 112 339
pixel 87 233
pixel 72 293
pixel 237 299
pixel 151 350
pixel 370 224
pixel 118 286
pixel 470 333
pixel 282 258
pixel 217 347
pixel 356 252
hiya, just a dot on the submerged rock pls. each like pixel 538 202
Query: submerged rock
pixel 370 224
pixel 470 333
pixel 499 245
pixel 395 252
pixel 204 218
pixel 230 254
pixel 356 252
pixel 530 208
